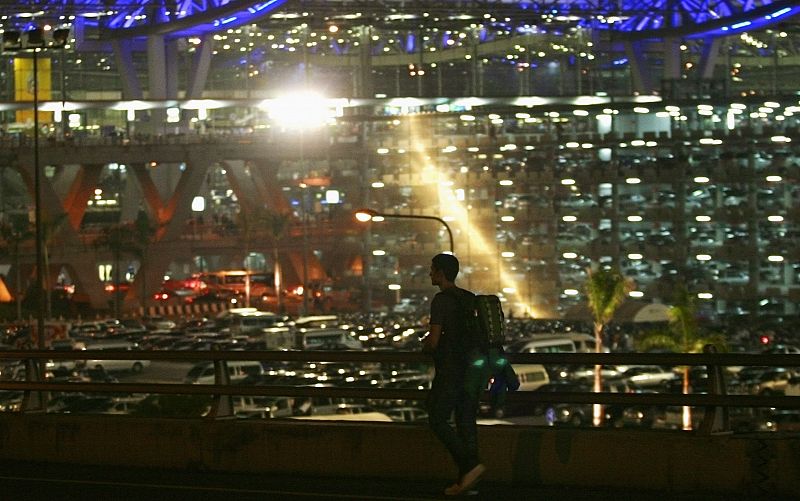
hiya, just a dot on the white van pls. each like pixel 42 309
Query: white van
pixel 116 365
pixel 584 343
pixel 568 342
pixel 203 373
pixel 276 338
pixel 249 321
pixel 531 376
pixel 268 407
pixel 543 345
pixel 327 339
pixel 316 322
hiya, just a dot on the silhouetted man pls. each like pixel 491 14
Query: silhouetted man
pixel 451 348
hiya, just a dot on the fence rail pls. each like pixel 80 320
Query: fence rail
pixel 222 390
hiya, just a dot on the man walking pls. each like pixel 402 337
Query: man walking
pixel 451 347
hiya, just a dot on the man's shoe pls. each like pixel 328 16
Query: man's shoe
pixel 471 477
pixel 467 482
pixel 453 490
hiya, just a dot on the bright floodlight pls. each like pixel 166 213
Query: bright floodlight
pixel 301 111
pixel 365 215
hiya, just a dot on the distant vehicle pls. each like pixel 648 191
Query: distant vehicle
pixel 316 321
pixel 268 407
pixel 407 414
pixel 782 349
pixel 274 338
pixel 116 365
pixel 772 382
pixel 328 339
pixel 406 306
pixel 542 345
pixel 156 323
pixel 124 405
pixel 531 376
pixel 248 321
pixel 236 283
pixel 88 329
pixel 793 387
pixel 363 416
pixel 781 420
pixel 648 375
pixel 203 373
pixel 585 373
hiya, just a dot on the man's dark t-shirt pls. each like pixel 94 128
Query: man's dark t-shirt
pixel 450 356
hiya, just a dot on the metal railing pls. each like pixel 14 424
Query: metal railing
pixel 222 390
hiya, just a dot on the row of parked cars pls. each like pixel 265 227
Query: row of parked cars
pixel 249 330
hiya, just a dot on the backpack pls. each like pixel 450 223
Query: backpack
pixel 491 321
pixel 483 323
pixel 482 320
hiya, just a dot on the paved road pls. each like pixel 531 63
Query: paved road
pixel 49 482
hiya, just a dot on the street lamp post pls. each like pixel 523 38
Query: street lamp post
pixel 365 215
pixel 34 41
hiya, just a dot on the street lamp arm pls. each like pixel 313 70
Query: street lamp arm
pixel 365 215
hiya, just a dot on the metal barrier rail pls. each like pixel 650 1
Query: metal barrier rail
pixel 222 390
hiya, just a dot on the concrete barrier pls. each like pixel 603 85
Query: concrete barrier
pixel 675 462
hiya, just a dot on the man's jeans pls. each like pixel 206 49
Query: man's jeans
pixel 448 396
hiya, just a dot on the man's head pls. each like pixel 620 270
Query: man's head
pixel 443 267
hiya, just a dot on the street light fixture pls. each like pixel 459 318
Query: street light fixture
pixel 366 215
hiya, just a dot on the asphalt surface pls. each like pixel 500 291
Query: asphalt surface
pixel 47 481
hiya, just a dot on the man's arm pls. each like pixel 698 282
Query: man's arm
pixel 431 341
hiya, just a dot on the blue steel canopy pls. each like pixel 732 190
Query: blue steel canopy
pixel 636 18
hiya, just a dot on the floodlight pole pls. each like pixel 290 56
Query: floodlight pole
pixel 37 203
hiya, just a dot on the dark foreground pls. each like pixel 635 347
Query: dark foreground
pixel 45 481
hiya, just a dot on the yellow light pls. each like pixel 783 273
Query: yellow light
pixel 365 215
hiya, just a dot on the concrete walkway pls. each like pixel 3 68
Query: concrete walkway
pixel 47 481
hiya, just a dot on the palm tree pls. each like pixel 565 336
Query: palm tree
pixel 50 227
pixel 605 291
pixel 277 224
pixel 682 336
pixel 143 233
pixel 123 238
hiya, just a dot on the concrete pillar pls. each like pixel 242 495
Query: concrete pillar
pixel 709 57
pixel 157 81
pixel 264 175
pixel 640 73
pixel 123 54
pixel 201 62
pixel 366 87
pixel 131 199
pixel 239 177
pixel 80 191
pixel 672 63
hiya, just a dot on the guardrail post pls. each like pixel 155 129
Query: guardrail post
pixel 222 407
pixel 715 420
pixel 33 401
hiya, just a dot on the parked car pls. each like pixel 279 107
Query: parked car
pixel 648 376
pixel 772 382
pixel 267 407
pixel 793 387
pixel 782 420
pixel 782 349
pixel 108 365
pixel 407 414
pixel 238 371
